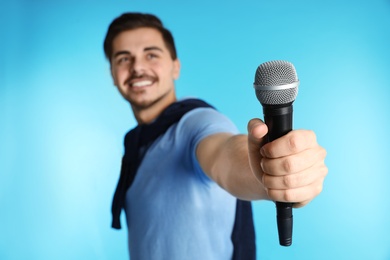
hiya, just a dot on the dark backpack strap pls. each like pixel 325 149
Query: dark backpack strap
pixel 243 235
pixel 141 137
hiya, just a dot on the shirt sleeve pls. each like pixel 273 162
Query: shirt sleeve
pixel 200 123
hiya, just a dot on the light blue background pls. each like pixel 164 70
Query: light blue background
pixel 62 122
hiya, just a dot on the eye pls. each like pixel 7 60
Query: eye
pixel 151 56
pixel 123 60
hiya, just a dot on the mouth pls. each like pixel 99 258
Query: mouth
pixel 141 83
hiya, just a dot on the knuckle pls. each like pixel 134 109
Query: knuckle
pixel 289 196
pixel 289 181
pixel 321 169
pixel 319 189
pixel 323 152
pixel 287 165
pixel 272 194
pixel 313 135
pixel 324 170
pixel 269 151
pixel 293 142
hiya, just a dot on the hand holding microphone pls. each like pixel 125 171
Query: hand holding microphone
pixel 292 163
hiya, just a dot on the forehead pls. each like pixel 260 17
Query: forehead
pixel 137 39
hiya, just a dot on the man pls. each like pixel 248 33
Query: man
pixel 185 164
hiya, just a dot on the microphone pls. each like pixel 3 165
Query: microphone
pixel 276 85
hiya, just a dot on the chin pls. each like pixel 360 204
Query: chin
pixel 140 104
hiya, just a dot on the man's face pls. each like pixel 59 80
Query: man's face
pixel 142 67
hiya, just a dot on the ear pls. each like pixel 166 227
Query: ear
pixel 176 69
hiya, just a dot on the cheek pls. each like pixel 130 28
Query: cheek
pixel 114 79
pixel 166 71
pixel 119 76
pixel 114 76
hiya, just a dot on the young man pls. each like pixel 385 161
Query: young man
pixel 185 164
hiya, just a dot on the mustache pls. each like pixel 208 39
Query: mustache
pixel 138 77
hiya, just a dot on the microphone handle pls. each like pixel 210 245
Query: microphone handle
pixel 278 119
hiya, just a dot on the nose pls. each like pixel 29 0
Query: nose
pixel 138 67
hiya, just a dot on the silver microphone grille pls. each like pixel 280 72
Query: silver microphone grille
pixel 276 83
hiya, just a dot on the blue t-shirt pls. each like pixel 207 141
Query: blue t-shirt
pixel 174 210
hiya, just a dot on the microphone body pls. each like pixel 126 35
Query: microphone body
pixel 279 122
pixel 276 85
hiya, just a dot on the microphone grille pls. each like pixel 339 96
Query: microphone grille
pixel 276 83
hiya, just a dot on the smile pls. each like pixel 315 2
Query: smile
pixel 142 83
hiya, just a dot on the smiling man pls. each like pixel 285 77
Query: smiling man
pixel 187 175
pixel 144 71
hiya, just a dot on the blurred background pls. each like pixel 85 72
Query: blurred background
pixel 62 122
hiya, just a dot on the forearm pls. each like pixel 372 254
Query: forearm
pixel 227 163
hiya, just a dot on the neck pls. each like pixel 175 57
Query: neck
pixel 146 115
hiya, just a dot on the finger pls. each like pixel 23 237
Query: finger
pixel 301 204
pixel 291 143
pixel 256 132
pixel 298 195
pixel 296 180
pixel 294 163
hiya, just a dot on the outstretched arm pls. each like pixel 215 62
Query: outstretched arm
pixel 289 169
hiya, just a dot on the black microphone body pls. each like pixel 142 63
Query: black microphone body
pixel 276 84
pixel 278 119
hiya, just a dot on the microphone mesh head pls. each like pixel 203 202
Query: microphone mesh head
pixel 272 83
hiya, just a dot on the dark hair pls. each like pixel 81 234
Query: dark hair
pixel 130 21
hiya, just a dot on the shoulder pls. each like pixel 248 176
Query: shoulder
pixel 206 120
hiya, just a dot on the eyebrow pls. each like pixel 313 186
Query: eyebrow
pixel 151 48
pixel 121 53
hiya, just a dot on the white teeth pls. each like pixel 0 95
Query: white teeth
pixel 142 83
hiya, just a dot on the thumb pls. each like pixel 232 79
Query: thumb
pixel 257 129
